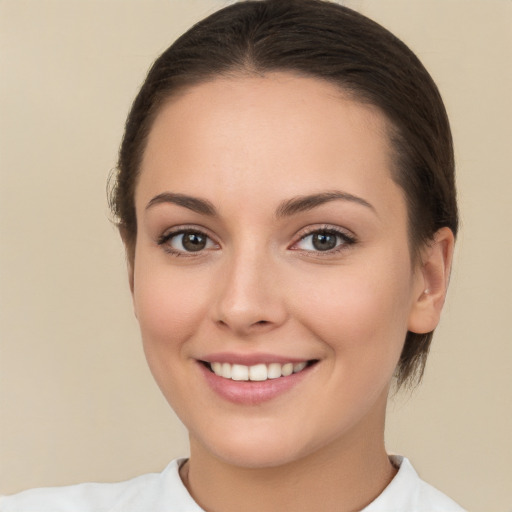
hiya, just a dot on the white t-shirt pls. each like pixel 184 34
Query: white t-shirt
pixel 165 492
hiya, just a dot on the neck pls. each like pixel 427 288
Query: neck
pixel 343 476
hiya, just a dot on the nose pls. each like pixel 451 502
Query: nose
pixel 250 295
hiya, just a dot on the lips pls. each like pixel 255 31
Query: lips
pixel 259 380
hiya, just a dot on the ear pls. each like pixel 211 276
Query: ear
pixel 433 274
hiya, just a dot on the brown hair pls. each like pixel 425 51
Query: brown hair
pixel 324 40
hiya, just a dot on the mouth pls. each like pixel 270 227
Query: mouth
pixel 258 372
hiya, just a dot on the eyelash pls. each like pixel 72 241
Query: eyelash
pixel 165 239
pixel 344 241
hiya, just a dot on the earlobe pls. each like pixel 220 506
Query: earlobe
pixel 432 283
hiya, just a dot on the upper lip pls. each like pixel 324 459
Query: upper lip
pixel 251 359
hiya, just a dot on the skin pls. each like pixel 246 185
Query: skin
pixel 248 145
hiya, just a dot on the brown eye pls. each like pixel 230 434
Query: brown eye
pixel 193 241
pixel 324 241
pixel 188 241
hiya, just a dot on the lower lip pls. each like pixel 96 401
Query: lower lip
pixel 252 392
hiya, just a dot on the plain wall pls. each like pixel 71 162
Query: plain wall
pixel 77 402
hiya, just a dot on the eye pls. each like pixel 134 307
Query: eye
pixel 324 240
pixel 186 241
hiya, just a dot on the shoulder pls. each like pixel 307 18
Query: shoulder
pixel 407 492
pixel 152 491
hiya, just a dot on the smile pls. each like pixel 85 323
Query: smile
pixel 257 372
pixel 261 379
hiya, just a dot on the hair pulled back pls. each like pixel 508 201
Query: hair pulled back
pixel 324 40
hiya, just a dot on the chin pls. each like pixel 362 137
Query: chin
pixel 256 457
pixel 258 447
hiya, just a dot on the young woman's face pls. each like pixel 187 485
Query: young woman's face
pixel 271 239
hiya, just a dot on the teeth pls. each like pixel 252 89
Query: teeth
pixel 287 369
pixel 298 367
pixel 226 371
pixel 258 372
pixel 274 371
pixel 239 372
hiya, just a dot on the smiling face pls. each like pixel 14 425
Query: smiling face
pixel 272 238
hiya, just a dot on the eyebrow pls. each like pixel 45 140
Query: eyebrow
pixel 202 206
pixel 305 203
pixel 285 209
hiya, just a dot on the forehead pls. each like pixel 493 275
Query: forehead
pixel 249 132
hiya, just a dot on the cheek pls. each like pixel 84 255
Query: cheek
pixel 168 306
pixel 360 313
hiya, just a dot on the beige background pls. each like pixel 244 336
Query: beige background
pixel 76 400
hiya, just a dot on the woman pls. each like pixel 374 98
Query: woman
pixel 286 198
